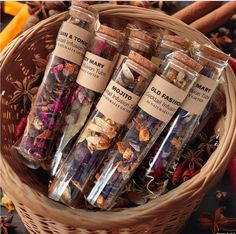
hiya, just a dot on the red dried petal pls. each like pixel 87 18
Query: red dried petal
pixel 20 128
pixel 178 173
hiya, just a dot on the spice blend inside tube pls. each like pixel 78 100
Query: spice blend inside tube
pixel 95 72
pixel 46 115
pixel 155 109
pixel 111 113
pixel 158 168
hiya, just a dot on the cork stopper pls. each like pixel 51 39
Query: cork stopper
pixel 187 61
pixel 142 35
pixel 81 4
pixel 142 61
pixel 111 32
pixel 178 40
pixel 211 52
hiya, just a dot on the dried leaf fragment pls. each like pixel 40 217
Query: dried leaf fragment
pixel 144 134
pixel 7 203
pixel 128 153
pixel 121 146
pixel 100 200
pixel 45 135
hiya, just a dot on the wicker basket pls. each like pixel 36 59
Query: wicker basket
pixel 27 188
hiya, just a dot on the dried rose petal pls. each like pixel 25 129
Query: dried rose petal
pixel 100 47
pixel 57 69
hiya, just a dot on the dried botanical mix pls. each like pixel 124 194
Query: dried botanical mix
pixel 160 101
pixel 111 113
pixel 95 72
pixel 46 115
pixel 159 168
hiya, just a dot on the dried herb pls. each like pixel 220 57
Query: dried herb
pixel 107 48
pixel 47 113
pixel 7 203
pixel 100 132
pixel 180 129
pixel 217 222
pixel 6 224
pixel 135 140
pixel 49 105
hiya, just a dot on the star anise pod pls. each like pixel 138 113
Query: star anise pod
pixel 217 223
pixel 6 224
pixel 208 145
pixel 220 41
pixel 42 8
pixel 40 64
pixel 24 91
pixel 193 159
pixel 38 8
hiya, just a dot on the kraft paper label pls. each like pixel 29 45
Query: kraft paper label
pixel 95 72
pixel 117 103
pixel 199 95
pixel 162 99
pixel 71 43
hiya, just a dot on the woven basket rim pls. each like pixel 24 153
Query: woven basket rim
pixel 144 212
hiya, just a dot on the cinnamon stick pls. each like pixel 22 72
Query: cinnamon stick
pixel 216 18
pixel 196 10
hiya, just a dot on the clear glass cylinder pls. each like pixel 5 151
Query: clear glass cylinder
pixel 102 128
pixel 47 111
pixel 156 170
pixel 140 42
pixel 103 51
pixel 142 130
pixel 171 43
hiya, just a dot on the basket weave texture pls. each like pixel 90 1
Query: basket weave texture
pixel 27 188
